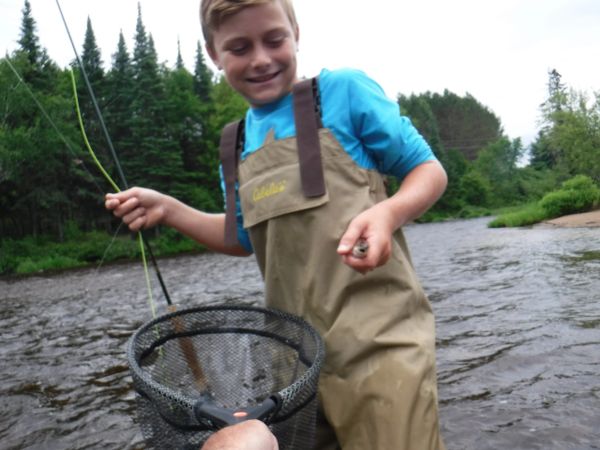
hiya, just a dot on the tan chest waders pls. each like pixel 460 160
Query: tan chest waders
pixel 378 384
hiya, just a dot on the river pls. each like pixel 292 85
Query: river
pixel 518 332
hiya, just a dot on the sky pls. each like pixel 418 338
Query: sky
pixel 499 51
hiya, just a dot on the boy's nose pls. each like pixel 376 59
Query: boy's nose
pixel 261 57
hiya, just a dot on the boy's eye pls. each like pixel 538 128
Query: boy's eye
pixel 238 49
pixel 275 41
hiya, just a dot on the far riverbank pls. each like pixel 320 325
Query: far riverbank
pixel 588 219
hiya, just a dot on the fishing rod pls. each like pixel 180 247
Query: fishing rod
pixel 186 345
pixel 112 149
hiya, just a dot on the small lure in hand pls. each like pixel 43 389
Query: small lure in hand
pixel 360 249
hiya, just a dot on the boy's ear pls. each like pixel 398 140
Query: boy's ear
pixel 213 55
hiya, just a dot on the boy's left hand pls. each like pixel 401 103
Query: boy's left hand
pixel 375 226
pixel 419 190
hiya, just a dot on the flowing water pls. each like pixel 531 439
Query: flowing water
pixel 518 330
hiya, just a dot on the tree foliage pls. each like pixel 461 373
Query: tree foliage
pixel 449 121
pixel 569 141
pixel 165 122
pixel 158 120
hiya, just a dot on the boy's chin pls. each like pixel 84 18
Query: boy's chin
pixel 263 100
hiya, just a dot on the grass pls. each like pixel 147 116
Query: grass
pixel 528 214
pixel 42 254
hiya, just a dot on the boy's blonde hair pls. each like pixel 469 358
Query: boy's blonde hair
pixel 214 12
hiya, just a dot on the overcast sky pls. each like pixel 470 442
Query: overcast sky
pixel 499 51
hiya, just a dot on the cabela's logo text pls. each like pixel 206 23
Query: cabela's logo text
pixel 268 190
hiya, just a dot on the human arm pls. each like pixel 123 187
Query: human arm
pixel 419 190
pixel 141 208
pixel 248 435
pixel 371 129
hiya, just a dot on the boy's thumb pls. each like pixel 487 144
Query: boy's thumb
pixel 348 241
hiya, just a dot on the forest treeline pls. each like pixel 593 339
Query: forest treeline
pixel 164 124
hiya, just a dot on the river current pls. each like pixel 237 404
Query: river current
pixel 518 334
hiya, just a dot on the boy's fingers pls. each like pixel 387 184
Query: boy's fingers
pixel 348 241
pixel 134 216
pixel 137 224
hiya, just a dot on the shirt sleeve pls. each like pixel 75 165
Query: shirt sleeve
pixel 391 141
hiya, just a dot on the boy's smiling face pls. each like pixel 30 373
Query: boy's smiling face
pixel 256 48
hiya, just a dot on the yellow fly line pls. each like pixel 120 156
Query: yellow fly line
pixel 116 188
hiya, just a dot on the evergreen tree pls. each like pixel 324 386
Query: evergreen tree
pixel 29 41
pixel 544 152
pixel 179 62
pixel 154 159
pixel 91 57
pixel 36 167
pixel 557 93
pixel 197 185
pixel 33 159
pixel 118 110
pixel 91 61
pixel 40 69
pixel 202 77
pixel 229 105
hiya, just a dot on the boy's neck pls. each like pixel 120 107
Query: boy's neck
pixel 272 106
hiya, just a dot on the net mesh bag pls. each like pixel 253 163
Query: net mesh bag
pixel 200 369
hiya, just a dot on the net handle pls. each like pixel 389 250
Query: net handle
pixel 205 409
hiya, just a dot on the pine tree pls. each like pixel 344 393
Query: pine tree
pixel 179 63
pixel 557 94
pixel 544 152
pixel 118 107
pixel 91 61
pixel 40 69
pixel 29 41
pixel 154 159
pixel 202 77
pixel 34 157
pixel 91 57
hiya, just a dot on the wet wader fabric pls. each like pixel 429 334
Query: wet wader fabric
pixel 378 385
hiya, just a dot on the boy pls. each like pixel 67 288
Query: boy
pixel 301 211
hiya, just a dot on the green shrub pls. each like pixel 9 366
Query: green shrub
pixel 52 262
pixel 529 215
pixel 475 188
pixel 576 195
pixel 171 242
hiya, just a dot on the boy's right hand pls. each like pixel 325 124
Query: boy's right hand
pixel 137 207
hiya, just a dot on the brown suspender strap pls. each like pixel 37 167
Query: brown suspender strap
pixel 308 122
pixel 228 149
pixel 307 136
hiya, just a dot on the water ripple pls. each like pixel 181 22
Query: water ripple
pixel 518 333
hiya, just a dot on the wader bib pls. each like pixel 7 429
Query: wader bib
pixel 378 385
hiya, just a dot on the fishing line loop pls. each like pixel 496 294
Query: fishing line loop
pixel 90 90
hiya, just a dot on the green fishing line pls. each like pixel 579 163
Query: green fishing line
pixel 115 187
pixel 85 138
